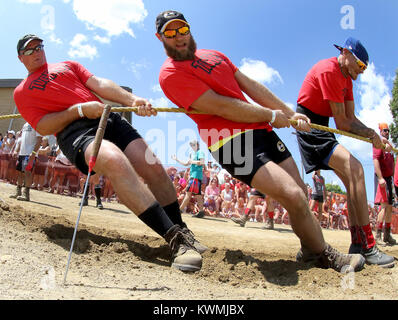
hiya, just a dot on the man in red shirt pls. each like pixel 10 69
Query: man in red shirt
pixel 239 134
pixel 384 171
pixel 59 99
pixel 327 92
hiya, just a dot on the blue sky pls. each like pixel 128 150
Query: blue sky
pixel 274 41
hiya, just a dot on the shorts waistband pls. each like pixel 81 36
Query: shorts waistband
pixel 315 118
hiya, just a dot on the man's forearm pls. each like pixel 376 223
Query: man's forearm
pixel 53 123
pixel 231 108
pixel 357 127
pixel 262 95
pixel 109 90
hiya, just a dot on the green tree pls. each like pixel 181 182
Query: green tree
pixel 394 111
pixel 334 188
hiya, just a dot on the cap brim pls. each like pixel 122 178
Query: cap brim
pixel 29 41
pixel 339 47
pixel 168 22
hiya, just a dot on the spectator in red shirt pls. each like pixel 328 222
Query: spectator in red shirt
pixel 384 171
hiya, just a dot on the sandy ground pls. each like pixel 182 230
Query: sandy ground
pixel 117 257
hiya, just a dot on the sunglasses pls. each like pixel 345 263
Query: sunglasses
pixel 172 33
pixel 31 51
pixel 360 64
pixel 386 130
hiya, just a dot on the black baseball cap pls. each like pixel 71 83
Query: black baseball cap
pixel 164 18
pixel 25 40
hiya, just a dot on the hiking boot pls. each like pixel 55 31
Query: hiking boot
pixel 25 196
pixel 375 256
pixel 378 239
pixel 269 224
pixel 17 194
pixel 200 214
pixel 184 256
pixel 241 221
pixel 305 255
pixel 387 238
pixel 331 258
pixel 191 238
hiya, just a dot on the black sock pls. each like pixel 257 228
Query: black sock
pixel 174 213
pixel 97 190
pixel 155 218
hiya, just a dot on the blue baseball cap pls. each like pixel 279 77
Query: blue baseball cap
pixel 355 47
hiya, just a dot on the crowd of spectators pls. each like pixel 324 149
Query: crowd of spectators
pixel 223 196
pixel 227 197
pixel 52 171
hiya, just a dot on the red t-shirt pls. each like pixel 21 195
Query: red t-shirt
pixel 53 88
pixel 183 82
pixel 386 160
pixel 323 83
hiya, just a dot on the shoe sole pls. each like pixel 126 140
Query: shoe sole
pixel 202 249
pixel 185 267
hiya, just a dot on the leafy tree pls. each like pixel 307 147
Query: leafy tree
pixel 394 111
pixel 334 188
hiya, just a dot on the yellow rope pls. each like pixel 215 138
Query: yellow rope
pixel 180 110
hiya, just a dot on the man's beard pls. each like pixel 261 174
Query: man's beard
pixel 179 56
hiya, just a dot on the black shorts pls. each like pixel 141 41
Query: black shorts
pixel 317 197
pixel 315 146
pixel 22 162
pixel 243 155
pixel 75 138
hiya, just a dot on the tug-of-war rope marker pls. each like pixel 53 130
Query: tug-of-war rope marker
pixel 180 110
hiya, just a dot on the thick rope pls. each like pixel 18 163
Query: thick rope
pixel 180 110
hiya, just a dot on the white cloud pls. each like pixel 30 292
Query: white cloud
pixel 135 67
pixel 372 108
pixel 160 103
pixel 103 40
pixel 260 71
pixel 80 49
pixel 30 1
pixel 156 88
pixel 113 16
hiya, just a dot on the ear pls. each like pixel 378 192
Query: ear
pixel 20 58
pixel 158 36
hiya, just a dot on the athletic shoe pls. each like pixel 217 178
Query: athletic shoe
pixel 269 224
pixel 191 238
pixel 99 205
pixel 331 258
pixel 376 257
pixel 241 221
pixel 17 194
pixel 200 214
pixel 387 238
pixel 184 256
pixel 25 195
